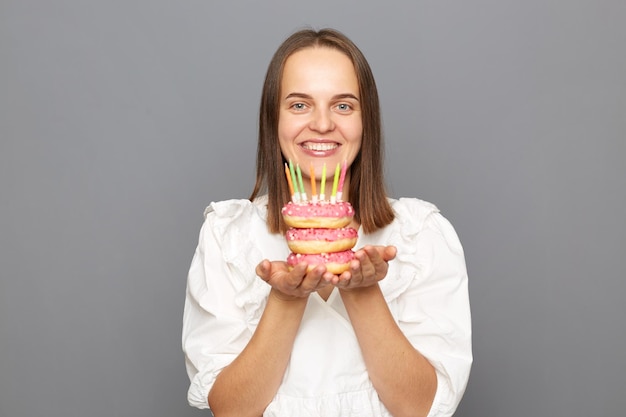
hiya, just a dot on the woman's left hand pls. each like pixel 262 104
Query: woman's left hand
pixel 369 266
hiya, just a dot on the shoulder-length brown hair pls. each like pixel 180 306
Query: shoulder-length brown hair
pixel 367 188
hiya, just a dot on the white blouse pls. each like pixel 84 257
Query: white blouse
pixel 425 288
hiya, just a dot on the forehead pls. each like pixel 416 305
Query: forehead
pixel 319 66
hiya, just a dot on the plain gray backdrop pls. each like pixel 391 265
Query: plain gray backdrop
pixel 121 120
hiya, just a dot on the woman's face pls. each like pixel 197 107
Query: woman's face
pixel 320 110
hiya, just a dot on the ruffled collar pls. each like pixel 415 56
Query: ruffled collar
pixel 241 227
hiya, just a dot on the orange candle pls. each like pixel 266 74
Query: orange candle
pixel 288 174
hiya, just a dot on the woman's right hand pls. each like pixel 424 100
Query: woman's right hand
pixel 294 283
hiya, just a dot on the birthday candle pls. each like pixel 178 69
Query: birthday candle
pixel 333 196
pixel 294 182
pixel 302 192
pixel 291 190
pixel 313 184
pixel 323 184
pixel 341 179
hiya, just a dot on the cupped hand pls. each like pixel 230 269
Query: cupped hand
pixel 369 266
pixel 294 283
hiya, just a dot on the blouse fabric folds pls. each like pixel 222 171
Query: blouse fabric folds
pixel 425 288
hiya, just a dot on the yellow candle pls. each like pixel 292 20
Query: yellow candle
pixel 333 196
pixel 313 183
pixel 323 184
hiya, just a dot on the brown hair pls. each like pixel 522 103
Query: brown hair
pixel 366 192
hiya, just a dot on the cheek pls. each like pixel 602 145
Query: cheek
pixel 288 128
pixel 283 133
pixel 354 132
pixel 354 136
pixel 287 134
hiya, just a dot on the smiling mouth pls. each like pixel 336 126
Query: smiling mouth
pixel 319 147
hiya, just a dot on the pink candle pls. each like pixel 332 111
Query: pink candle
pixel 344 168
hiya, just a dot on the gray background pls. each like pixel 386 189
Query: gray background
pixel 121 120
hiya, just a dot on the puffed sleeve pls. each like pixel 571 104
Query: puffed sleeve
pixel 218 318
pixel 434 311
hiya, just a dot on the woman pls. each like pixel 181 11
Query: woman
pixel 390 336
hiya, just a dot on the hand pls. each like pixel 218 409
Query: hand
pixel 297 283
pixel 369 267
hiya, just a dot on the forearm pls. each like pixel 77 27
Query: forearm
pixel 248 384
pixel 404 379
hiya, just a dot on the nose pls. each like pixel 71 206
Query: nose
pixel 322 120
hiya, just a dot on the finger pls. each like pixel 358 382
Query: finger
pixel 349 277
pixel 375 253
pixel 334 279
pixel 296 275
pixel 314 280
pixel 329 277
pixel 263 270
pixel 344 280
pixel 381 261
pixel 380 256
pixel 368 259
pixel 389 253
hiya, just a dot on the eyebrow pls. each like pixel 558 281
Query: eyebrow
pixel 335 97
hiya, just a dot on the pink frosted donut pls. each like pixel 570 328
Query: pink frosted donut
pixel 318 215
pixel 336 262
pixel 321 240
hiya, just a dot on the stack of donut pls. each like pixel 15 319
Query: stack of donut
pixel 319 234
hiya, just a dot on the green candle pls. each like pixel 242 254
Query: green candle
pixel 293 179
pixel 300 183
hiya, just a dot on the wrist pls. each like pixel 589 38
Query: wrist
pixel 360 292
pixel 282 298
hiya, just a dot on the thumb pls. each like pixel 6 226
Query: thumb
pixel 263 269
pixel 389 253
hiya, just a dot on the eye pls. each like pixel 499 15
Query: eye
pixel 298 106
pixel 344 107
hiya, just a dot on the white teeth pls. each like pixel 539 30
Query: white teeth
pixel 319 146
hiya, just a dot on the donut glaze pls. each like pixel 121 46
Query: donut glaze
pixel 336 262
pixel 321 240
pixel 321 214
